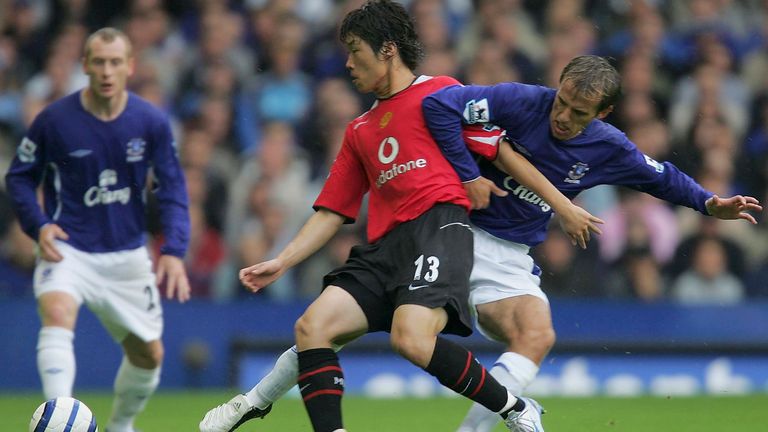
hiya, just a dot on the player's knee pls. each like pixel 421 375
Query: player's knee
pixel 57 315
pixel 156 356
pixel 539 339
pixel 307 329
pixel 149 357
pixel 409 346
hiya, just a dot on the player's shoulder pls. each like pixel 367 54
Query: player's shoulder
pixel 145 108
pixel 57 112
pixel 361 119
pixel 605 132
pixel 436 82
pixel 525 97
pixel 541 95
pixel 63 106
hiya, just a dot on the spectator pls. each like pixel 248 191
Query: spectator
pixel 639 221
pixel 636 275
pixel 198 153
pixel 334 105
pixel 708 280
pixel 282 91
pixel 566 272
pixel 736 261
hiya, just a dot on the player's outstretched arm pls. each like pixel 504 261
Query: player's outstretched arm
pixel 313 235
pixel 574 220
pixel 735 207
pixel 171 268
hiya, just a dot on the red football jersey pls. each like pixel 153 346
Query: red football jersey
pixel 389 152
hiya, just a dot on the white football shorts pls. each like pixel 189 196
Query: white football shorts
pixel 502 269
pixel 118 287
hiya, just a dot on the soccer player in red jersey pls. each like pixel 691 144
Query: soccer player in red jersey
pixel 411 279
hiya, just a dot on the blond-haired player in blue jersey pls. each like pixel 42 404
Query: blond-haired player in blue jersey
pixel 92 152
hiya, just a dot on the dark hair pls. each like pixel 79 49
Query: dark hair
pixel 595 78
pixel 380 21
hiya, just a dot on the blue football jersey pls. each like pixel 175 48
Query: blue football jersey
pixel 94 176
pixel 600 154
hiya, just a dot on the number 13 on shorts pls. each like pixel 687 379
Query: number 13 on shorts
pixel 430 266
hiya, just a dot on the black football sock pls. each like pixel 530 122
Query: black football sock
pixel 456 368
pixel 321 382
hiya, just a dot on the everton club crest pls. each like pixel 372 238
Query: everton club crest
pixel 134 150
pixel 578 170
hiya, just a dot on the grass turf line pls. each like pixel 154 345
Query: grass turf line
pixel 181 411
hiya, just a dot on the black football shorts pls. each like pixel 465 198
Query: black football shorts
pixel 425 261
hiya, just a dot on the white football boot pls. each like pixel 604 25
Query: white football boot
pixel 229 416
pixel 527 420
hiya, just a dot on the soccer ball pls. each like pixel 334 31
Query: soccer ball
pixel 63 414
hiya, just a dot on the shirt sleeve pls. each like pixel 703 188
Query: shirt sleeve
pixel 442 113
pixel 171 192
pixel 446 110
pixel 24 176
pixel 483 140
pixel 663 180
pixel 347 183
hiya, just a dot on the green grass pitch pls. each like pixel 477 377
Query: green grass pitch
pixel 181 411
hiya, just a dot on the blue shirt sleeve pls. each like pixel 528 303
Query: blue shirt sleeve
pixel 663 180
pixel 446 110
pixel 443 117
pixel 24 176
pixel 171 192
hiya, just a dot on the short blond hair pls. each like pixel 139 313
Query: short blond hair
pixel 595 78
pixel 107 34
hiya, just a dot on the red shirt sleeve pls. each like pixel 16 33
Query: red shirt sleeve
pixel 346 184
pixel 483 140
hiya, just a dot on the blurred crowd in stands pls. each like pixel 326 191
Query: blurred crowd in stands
pixel 259 99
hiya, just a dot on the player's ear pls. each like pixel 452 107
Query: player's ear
pixel 388 50
pixel 131 65
pixel 604 113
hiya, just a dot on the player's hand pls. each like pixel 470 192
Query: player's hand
pixel 735 207
pixel 262 274
pixel 171 268
pixel 46 240
pixel 479 192
pixel 579 224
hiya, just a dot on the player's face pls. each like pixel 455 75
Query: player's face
pixel 368 71
pixel 572 112
pixel 108 67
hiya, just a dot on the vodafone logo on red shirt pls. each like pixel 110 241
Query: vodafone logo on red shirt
pixel 390 145
pixel 388 150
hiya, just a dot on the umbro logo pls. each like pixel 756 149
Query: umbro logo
pixel 80 153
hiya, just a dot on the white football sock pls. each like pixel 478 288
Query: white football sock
pixel 133 387
pixel 513 371
pixel 56 361
pixel 277 382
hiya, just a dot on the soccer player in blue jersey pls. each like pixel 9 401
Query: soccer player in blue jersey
pixel 561 132
pixel 93 151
